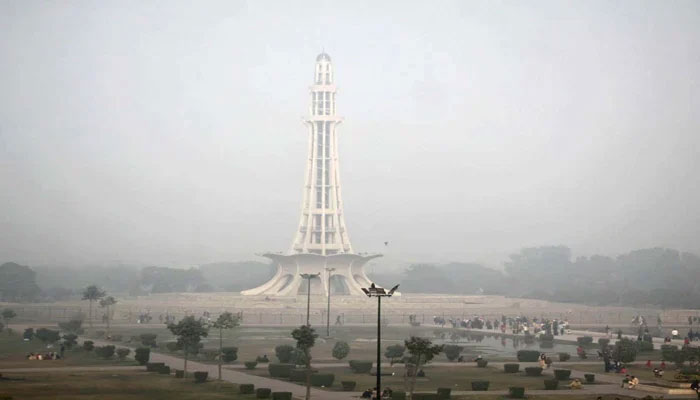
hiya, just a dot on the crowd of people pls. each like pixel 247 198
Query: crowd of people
pixel 52 355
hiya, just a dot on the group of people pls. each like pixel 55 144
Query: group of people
pixel 46 356
pixel 630 382
pixel 545 361
pixel 372 394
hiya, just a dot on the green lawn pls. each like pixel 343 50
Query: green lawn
pixel 129 385
pixel 640 371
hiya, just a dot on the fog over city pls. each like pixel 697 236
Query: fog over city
pixel 135 132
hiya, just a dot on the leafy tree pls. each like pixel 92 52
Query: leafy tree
pixel 73 326
pixel 452 351
pixel 394 352
pixel 28 334
pixel 92 293
pixel 107 303
pixel 341 350
pixel 305 337
pixel 18 283
pixel 70 340
pixel 7 315
pixel 421 350
pixel 225 321
pixel 189 332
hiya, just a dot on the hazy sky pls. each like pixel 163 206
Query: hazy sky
pixel 171 132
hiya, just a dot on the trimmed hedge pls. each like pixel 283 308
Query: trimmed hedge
pixel 562 374
pixel 142 355
pixel 154 366
pixel 281 395
pixel 480 386
pixel 584 340
pixel 325 380
pixel 123 352
pixel 645 346
pixel 263 393
pixel 511 368
pixel 551 384
pixel 444 393
pixel 482 363
pixel 200 376
pixel 165 370
pixel 278 370
pixel 297 375
pixel 105 352
pixel 348 386
pixel 590 378
pixel 229 354
pixel 262 359
pixel 179 373
pixel 88 345
pixel 564 356
pixel 533 371
pixel 250 364
pixel 516 392
pixel 360 366
pixel 246 388
pixel 528 355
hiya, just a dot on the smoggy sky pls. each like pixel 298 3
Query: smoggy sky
pixel 171 133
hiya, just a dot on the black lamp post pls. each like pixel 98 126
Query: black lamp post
pixel 378 292
pixel 308 294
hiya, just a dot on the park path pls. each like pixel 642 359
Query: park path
pixel 87 368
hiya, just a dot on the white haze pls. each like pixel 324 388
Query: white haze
pixel 171 133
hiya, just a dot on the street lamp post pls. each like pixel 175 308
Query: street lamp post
pixel 308 277
pixel 378 292
pixel 328 311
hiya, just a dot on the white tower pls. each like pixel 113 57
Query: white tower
pixel 321 241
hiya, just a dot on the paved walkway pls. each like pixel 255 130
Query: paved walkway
pixel 74 369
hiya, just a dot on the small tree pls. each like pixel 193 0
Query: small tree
pixel 284 353
pixel 107 303
pixel 225 321
pixel 70 340
pixel 189 332
pixel 341 350
pixel 306 338
pixel 148 339
pixel 421 350
pixel 625 350
pixel 92 293
pixel 452 351
pixel 48 335
pixel 28 334
pixel 394 352
pixel 7 315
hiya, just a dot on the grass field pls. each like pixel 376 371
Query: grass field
pixel 120 385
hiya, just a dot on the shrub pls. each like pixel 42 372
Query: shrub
pixel 148 339
pixel 246 388
pixel 603 342
pixel 516 392
pixel 179 373
pixel 154 366
pixel 28 334
pixel 325 380
pixel 262 359
pixel 564 356
pixel 262 393
pixel 299 357
pixel 281 395
pixel 209 354
pixel 165 370
pixel 528 355
pixel 533 371
pixel 142 355
pixel 562 374
pixel 123 352
pixel 444 393
pixel 229 354
pixel 482 363
pixel 47 335
pixel 645 346
pixel 668 351
pixel 200 376
pixel 551 384
pixel 284 353
pixel 584 340
pixel 480 386
pixel 105 352
pixel 70 340
pixel 279 370
pixel 394 352
pixel 348 386
pixel 590 378
pixel 341 350
pixel 88 345
pixel 625 350
pixel 250 364
pixel 452 351
pixel 511 368
pixel 360 367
